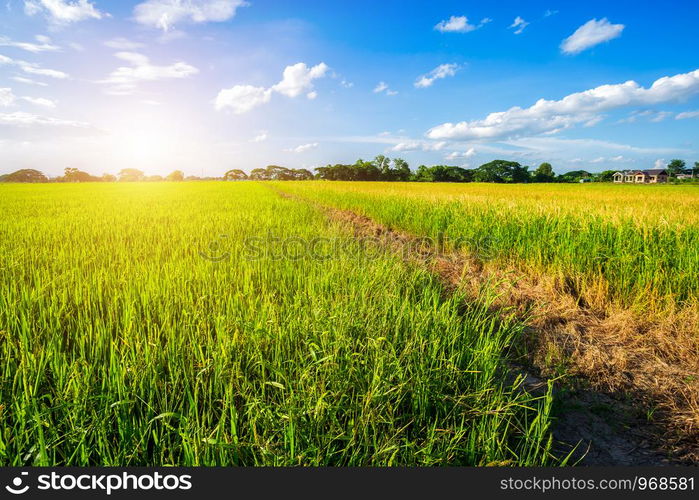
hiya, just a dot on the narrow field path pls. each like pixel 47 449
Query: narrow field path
pixel 623 424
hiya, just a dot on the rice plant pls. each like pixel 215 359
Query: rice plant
pixel 140 326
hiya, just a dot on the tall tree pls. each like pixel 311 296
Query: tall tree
pixel 501 171
pixel 402 170
pixel 544 173
pixel 176 176
pixel 131 175
pixel 675 167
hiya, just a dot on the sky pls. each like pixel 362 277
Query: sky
pixel 205 86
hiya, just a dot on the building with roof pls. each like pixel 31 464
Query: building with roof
pixel 652 176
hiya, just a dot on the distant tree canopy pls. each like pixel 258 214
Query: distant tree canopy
pixel 24 175
pixel 381 168
pixel 443 173
pixel 131 175
pixel 277 173
pixel 235 175
pixel 501 171
pixel 176 176
pixel 606 176
pixel 574 176
pixel 75 175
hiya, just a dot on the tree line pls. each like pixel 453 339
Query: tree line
pixel 380 168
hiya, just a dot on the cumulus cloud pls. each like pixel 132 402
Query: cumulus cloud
pixel 296 80
pixel 32 68
pixel 687 114
pixel 44 44
pixel 63 11
pixel 441 71
pixel 590 34
pixel 548 117
pixel 164 14
pixel 242 98
pixel 456 155
pixel 459 24
pixel 303 148
pixel 124 79
pixel 518 25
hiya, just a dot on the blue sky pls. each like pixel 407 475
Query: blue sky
pixel 209 85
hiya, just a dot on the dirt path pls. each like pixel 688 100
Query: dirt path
pixel 604 407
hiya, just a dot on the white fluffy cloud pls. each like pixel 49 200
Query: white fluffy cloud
pixel 419 146
pixel 456 155
pixel 296 80
pixel 44 44
pixel 124 79
pixel 518 25
pixel 164 14
pixel 242 98
pixel 32 69
pixel 687 114
pixel 303 148
pixel 459 24
pixel 63 11
pixel 590 34
pixel 441 71
pixel 546 117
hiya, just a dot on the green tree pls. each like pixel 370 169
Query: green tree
pixel 24 175
pixel 235 175
pixel 75 175
pixel 606 176
pixel 108 178
pixel 695 169
pixel 176 176
pixel 574 176
pixel 259 174
pixel 501 171
pixel 675 167
pixel 402 170
pixel 131 175
pixel 544 173
pixel 301 174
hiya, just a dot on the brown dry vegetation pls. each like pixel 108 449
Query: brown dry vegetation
pixel 649 364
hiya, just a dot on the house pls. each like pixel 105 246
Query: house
pixel 652 176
